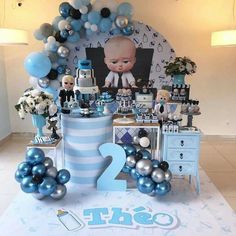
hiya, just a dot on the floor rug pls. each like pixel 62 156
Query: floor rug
pixel 89 213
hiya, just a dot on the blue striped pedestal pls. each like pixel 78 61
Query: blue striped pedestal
pixel 82 137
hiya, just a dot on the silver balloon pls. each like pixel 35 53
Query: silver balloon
pixel 158 175
pixel 52 172
pixel 60 192
pixel 144 167
pixel 168 175
pixel 38 196
pixel 43 82
pixel 131 161
pixel 48 162
pixel 136 140
pixel 63 51
pixel 121 21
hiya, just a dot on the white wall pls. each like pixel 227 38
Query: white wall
pixel 5 128
pixel 187 24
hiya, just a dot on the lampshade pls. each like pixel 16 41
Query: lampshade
pixel 13 37
pixel 223 38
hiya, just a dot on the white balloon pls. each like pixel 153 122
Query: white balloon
pixel 54 84
pixel 83 10
pixel 144 142
pixel 94 27
pixel 87 25
pixel 51 39
pixel 62 24
pixel 33 81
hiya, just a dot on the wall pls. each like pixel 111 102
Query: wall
pixel 187 24
pixel 5 128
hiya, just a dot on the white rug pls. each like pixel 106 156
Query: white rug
pixel 129 213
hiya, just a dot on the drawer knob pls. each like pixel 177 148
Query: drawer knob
pixel 181 155
pixel 180 168
pixel 182 143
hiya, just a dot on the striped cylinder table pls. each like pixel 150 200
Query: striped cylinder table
pixel 82 138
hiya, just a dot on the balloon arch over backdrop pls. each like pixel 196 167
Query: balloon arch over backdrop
pixel 82 26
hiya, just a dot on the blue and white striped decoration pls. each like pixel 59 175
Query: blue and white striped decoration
pixel 82 137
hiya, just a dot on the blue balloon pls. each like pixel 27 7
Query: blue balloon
pixel 18 177
pixel 89 32
pixel 64 34
pixel 55 22
pixel 37 64
pixel 94 17
pixel 105 25
pixel 76 25
pixel 129 149
pixel 113 16
pixel 39 169
pixel 162 188
pixel 63 176
pixel 84 17
pixel 145 185
pixel 48 186
pixel 64 9
pixel 77 4
pixel 126 169
pixel 38 35
pixel 35 156
pixel 115 31
pixel 128 30
pixel 24 168
pixel 134 174
pixel 27 185
pixel 61 69
pixel 155 163
pixel 145 154
pixel 86 2
pixel 125 9
pixel 73 38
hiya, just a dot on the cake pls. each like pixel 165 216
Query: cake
pixel 124 100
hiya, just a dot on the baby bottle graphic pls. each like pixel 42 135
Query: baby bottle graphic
pixel 69 220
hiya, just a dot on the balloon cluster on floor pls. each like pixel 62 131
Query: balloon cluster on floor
pixel 152 177
pixel 78 19
pixel 38 176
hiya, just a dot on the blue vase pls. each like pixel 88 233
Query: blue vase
pixel 179 79
pixel 39 122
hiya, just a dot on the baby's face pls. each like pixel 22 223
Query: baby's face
pixel 120 59
pixel 68 84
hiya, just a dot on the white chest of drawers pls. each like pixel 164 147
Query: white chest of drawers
pixel 181 151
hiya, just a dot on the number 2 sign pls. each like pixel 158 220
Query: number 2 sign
pixel 107 181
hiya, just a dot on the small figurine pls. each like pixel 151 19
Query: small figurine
pixel 52 121
pixel 67 93
pixel 120 58
pixel 161 109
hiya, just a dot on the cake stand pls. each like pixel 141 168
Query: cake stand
pixel 124 119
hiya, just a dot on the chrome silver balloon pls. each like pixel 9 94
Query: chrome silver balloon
pixel 38 196
pixel 60 192
pixel 158 175
pixel 52 172
pixel 131 161
pixel 48 162
pixel 43 82
pixel 121 21
pixel 168 175
pixel 136 140
pixel 63 51
pixel 144 167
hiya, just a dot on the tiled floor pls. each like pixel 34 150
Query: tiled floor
pixel 218 159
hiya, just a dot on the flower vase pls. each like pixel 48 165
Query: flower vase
pixel 39 122
pixel 179 79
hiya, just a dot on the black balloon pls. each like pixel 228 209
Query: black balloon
pixel 37 179
pixel 52 74
pixel 142 133
pixel 76 14
pixel 105 12
pixel 59 38
pixel 163 165
pixel 138 156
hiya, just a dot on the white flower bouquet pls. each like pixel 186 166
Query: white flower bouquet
pixel 36 102
pixel 180 65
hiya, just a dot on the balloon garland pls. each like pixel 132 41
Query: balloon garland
pixel 38 176
pixel 78 19
pixel 152 177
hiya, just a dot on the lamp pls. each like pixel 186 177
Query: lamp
pixel 225 37
pixel 13 37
